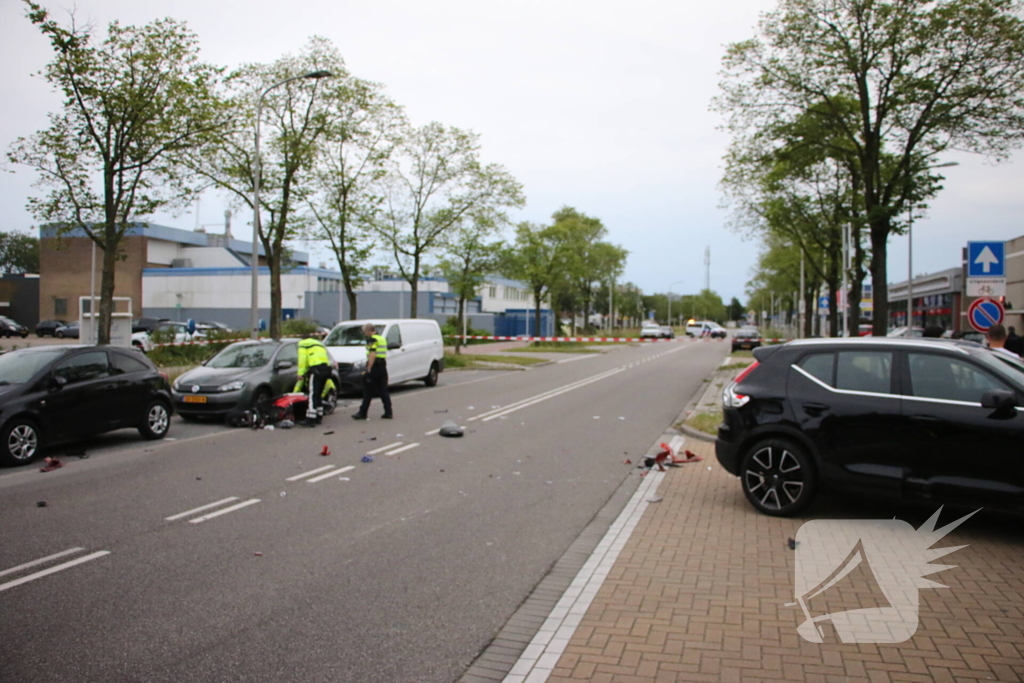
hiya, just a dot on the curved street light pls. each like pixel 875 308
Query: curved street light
pixel 254 324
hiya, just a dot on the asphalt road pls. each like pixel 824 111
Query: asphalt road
pixel 240 555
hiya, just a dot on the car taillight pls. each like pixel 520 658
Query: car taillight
pixel 731 399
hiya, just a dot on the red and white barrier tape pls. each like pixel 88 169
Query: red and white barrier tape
pixel 558 339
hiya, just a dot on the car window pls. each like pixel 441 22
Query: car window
pixel 243 356
pixel 18 368
pixel 935 376
pixel 83 367
pixel 123 364
pixel 864 371
pixel 289 352
pixel 820 366
pixel 394 337
pixel 348 335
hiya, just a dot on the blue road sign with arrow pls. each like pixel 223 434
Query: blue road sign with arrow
pixel 986 259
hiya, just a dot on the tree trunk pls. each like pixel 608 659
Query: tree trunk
pixel 879 286
pixel 414 283
pixel 352 302
pixel 459 341
pixel 274 261
pixel 536 313
pixel 106 293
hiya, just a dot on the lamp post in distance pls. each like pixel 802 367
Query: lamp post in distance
pixel 910 254
pixel 677 282
pixel 257 176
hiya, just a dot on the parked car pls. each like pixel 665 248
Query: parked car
pixel 917 418
pixel 667 332
pixel 145 324
pixel 49 327
pixel 12 328
pixel 240 376
pixel 215 327
pixel 650 330
pixel 69 330
pixel 415 351
pixel 50 394
pixel 169 332
pixel 746 339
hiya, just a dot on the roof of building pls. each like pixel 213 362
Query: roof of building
pixel 162 232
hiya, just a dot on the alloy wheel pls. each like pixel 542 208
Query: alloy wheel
pixel 774 477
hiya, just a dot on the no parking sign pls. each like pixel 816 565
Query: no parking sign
pixel 984 313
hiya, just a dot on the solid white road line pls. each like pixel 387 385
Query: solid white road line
pixel 565 390
pixel 199 509
pixel 375 451
pixel 552 392
pixel 310 473
pixel 403 448
pixel 572 360
pixel 53 570
pixel 218 513
pixel 433 431
pixel 41 560
pixel 332 473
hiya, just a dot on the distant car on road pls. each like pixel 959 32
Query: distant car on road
pixel 208 327
pixel 650 330
pixel 50 394
pixel 69 330
pixel 240 376
pixel 49 327
pixel 697 328
pixel 667 332
pixel 746 339
pixel 12 328
pixel 145 324
pixel 167 332
pixel 919 418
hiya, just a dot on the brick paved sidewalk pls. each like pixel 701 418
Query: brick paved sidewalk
pixel 699 592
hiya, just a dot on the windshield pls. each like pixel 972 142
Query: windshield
pixel 243 356
pixel 1004 365
pixel 348 335
pixel 18 368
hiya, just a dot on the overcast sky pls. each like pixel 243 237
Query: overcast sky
pixel 594 104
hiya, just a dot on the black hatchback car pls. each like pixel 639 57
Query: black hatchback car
pixel 50 394
pixel 917 418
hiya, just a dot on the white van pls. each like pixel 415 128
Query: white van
pixel 415 351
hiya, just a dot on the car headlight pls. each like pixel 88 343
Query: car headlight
pixel 232 386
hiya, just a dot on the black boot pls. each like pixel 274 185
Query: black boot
pixel 358 416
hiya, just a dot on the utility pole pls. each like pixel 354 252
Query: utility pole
pixel 707 267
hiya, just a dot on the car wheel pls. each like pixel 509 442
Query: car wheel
pixel 20 442
pixel 156 422
pixel 431 379
pixel 39 334
pixel 261 395
pixel 58 334
pixel 778 477
pixel 24 334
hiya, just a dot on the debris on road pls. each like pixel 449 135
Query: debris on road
pixel 367 458
pixel 328 433
pixel 449 428
pixel 655 499
pixel 792 543
pixel 627 461
pixel 325 451
pixel 51 464
pixel 41 504
pixel 284 493
pixel 258 554
pixel 285 424
pixel 441 411
pixel 269 428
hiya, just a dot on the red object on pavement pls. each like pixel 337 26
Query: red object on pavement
pixel 51 464
pixel 325 451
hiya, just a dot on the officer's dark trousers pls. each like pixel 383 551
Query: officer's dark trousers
pixel 317 377
pixel 376 382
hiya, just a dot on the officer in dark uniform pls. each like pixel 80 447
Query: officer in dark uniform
pixel 376 377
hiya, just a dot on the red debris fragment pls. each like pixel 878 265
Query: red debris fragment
pixel 325 451
pixel 627 461
pixel 51 464
pixel 258 554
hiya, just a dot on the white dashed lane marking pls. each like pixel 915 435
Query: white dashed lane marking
pixel 51 570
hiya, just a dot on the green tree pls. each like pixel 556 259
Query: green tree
pixel 133 102
pixel 364 127
pixel 536 258
pixel 472 255
pixel 437 180
pixel 18 253
pixel 736 309
pixel 923 78
pixel 294 119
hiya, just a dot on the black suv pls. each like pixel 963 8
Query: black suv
pixel 918 418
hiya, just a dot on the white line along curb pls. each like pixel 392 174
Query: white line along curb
pixel 544 651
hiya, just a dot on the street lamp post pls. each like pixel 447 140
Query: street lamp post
pixel 677 282
pixel 257 177
pixel 910 254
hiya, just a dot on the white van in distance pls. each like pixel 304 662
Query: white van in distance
pixel 415 351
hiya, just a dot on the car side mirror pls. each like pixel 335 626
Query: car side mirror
pixel 58 382
pixel 998 399
pixel 205 361
pixel 283 365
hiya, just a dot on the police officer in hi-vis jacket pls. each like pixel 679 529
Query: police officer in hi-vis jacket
pixel 376 377
pixel 315 367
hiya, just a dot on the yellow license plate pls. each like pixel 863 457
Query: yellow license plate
pixel 195 399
